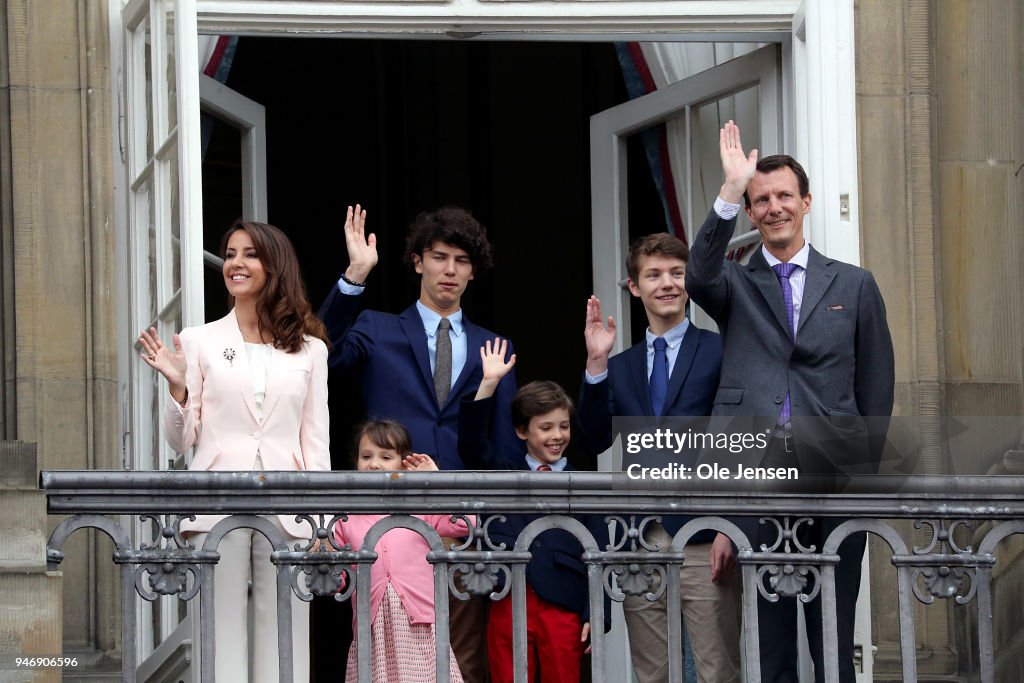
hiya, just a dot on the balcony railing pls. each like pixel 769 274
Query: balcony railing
pixel 952 566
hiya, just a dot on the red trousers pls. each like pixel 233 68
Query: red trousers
pixel 552 641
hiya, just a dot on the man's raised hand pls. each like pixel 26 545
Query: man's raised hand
pixel 362 250
pixel 737 168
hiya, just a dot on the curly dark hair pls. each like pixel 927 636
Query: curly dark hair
pixel 282 307
pixel 452 225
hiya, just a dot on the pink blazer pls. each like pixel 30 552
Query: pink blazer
pixel 401 561
pixel 220 417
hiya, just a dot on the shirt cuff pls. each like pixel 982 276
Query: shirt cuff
pixel 590 379
pixel 726 210
pixel 351 290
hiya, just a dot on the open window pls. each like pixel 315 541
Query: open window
pixel 746 89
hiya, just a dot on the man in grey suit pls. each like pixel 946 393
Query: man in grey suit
pixel 806 348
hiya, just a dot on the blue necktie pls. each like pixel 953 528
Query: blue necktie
pixel 659 376
pixel 784 271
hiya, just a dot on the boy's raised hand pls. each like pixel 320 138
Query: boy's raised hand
pixel 494 366
pixel 599 339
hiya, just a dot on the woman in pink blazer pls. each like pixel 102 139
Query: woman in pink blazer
pixel 249 392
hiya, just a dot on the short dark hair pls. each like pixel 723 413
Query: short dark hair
pixel 384 434
pixel 661 244
pixel 774 163
pixel 452 225
pixel 538 398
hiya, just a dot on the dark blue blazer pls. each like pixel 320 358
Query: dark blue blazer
pixel 625 392
pixel 556 571
pixel 388 354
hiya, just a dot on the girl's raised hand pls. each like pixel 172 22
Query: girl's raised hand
pixel 418 462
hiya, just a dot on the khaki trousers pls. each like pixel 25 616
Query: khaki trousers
pixel 711 613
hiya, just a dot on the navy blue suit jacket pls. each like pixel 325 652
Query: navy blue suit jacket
pixel 388 353
pixel 626 392
pixel 556 571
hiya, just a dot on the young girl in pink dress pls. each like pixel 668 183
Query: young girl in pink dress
pixel 402 581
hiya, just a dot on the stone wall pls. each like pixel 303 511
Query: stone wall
pixel 56 221
pixel 938 83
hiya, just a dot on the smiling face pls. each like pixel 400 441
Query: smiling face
pixel 244 275
pixel 660 286
pixel 547 435
pixel 446 271
pixel 373 458
pixel 777 211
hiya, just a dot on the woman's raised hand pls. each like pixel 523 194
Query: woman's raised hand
pixel 168 362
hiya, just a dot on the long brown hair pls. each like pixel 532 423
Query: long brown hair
pixel 282 308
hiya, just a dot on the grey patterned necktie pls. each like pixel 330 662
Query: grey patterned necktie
pixel 443 362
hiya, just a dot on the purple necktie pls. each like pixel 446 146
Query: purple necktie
pixel 784 271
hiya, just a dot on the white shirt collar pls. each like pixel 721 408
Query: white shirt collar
pixel 799 258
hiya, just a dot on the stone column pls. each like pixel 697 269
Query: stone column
pixel 59 345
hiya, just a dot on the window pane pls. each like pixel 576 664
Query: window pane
pixel 171 100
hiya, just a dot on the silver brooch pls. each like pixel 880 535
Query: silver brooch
pixel 229 354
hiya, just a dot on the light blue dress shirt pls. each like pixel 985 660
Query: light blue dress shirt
pixel 430 322
pixel 673 340
pixel 557 466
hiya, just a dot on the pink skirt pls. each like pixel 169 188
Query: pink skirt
pixel 402 652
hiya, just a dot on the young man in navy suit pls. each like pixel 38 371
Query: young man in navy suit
pixel 416 366
pixel 557 599
pixel 673 372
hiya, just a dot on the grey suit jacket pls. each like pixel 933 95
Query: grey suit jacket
pixel 839 368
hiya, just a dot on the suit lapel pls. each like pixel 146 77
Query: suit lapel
pixel 819 278
pixel 638 371
pixel 231 337
pixel 684 359
pixel 767 283
pixel 412 325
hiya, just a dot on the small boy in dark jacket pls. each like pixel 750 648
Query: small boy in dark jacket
pixel 557 603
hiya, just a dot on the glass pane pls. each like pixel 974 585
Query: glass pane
pixel 150 456
pixel 222 202
pixel 145 231
pixel 707 120
pixel 148 71
pixel 170 82
pixel 175 214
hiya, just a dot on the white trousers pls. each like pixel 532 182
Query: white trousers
pixel 245 554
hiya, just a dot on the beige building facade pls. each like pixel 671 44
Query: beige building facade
pixel 940 180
